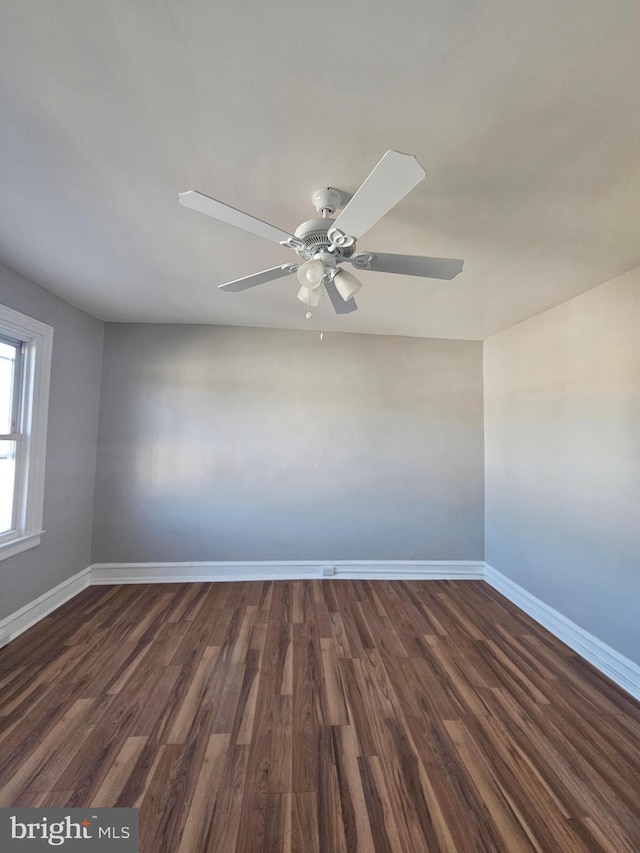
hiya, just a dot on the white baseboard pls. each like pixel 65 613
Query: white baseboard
pixel 125 573
pixel 15 624
pixel 624 672
pixel 110 573
pixel 617 667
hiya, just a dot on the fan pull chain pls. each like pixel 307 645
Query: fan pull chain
pixel 309 315
pixel 322 316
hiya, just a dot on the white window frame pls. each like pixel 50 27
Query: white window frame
pixel 37 341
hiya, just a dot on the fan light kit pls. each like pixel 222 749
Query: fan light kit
pixel 322 245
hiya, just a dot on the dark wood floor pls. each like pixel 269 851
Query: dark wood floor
pixel 320 717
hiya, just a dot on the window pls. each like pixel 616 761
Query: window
pixel 25 365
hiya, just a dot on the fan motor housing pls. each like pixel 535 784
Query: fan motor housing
pixel 313 233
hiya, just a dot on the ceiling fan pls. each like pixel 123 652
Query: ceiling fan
pixel 323 245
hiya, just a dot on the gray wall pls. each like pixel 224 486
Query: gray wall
pixel 562 436
pixel 71 445
pixel 222 443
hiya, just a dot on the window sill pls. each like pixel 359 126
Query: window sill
pixel 21 543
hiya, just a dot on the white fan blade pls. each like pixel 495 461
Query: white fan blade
pixel 339 305
pixel 258 278
pixel 395 175
pixel 446 268
pixel 226 213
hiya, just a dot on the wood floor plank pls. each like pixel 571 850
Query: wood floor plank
pixel 325 716
pixel 355 821
pixel 141 777
pixel 514 831
pixel 331 831
pixel 463 810
pixel 210 777
pixel 581 781
pixel 116 778
pixel 335 706
pixel 304 824
pixel 242 732
pixel 226 811
pixel 528 787
pixel 158 829
pixel 277 824
pixel 379 805
pixel 306 709
pixel 192 696
pixel 51 745
pixel 359 714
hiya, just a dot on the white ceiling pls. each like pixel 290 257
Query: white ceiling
pixel 524 114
